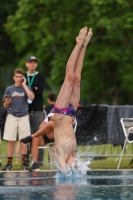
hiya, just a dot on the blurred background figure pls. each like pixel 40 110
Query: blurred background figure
pixel 36 81
pixel 51 98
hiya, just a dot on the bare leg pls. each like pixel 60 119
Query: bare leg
pixel 44 130
pixel 75 96
pixel 10 148
pixel 36 142
pixel 63 99
pixel 39 132
pixel 18 151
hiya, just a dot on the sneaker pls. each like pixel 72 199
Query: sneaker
pixel 25 166
pixel 8 167
pixel 26 140
pixel 34 167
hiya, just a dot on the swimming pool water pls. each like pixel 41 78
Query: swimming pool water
pixel 96 185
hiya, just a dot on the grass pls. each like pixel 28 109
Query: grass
pixel 111 163
pixel 17 166
pixel 108 160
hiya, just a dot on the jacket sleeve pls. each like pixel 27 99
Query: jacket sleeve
pixel 38 90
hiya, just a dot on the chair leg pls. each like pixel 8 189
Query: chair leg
pixel 52 154
pixel 131 162
pixel 122 154
pixel 48 147
pixel 49 153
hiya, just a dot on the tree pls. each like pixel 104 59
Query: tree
pixel 7 51
pixel 48 28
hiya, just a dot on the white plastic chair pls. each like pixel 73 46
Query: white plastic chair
pixel 49 147
pixel 127 126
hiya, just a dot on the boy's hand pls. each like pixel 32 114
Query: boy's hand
pixel 24 81
pixel 7 102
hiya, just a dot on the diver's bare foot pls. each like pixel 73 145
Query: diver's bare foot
pixel 81 37
pixel 88 37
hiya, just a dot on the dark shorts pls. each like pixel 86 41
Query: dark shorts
pixel 47 140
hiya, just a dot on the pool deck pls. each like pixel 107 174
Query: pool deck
pixel 111 170
pixel 91 170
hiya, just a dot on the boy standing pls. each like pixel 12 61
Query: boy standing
pixel 36 81
pixel 16 98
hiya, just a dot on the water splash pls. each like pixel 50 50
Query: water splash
pixel 77 169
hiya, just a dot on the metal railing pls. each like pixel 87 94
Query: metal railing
pixel 104 150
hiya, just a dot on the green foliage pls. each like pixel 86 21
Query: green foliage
pixel 48 28
pixel 8 58
pixel 6 49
